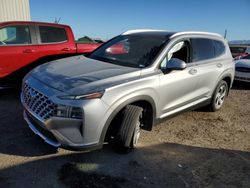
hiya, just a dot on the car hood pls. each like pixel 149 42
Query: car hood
pixel 242 63
pixel 79 75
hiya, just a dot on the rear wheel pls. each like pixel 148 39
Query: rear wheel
pixel 129 132
pixel 219 96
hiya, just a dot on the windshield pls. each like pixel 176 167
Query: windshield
pixel 131 50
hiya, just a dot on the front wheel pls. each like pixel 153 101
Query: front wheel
pixel 219 96
pixel 129 132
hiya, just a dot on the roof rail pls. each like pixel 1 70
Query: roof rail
pixel 142 30
pixel 195 32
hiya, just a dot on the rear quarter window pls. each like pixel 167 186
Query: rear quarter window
pixel 219 48
pixel 50 34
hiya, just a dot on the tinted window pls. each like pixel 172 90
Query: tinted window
pixel 248 50
pixel 15 35
pixel 202 49
pixel 246 57
pixel 235 49
pixel 131 50
pixel 52 34
pixel 218 47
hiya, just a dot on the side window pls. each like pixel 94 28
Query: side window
pixel 203 49
pixel 180 50
pixel 52 34
pixel 219 48
pixel 12 35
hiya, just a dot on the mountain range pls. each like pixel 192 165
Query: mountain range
pixel 240 42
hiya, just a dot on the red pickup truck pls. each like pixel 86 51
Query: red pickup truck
pixel 24 45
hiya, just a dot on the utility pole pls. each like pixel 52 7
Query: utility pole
pixel 225 34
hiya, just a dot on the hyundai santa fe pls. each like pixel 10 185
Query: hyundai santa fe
pixel 129 83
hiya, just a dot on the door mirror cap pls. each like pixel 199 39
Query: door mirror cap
pixel 175 64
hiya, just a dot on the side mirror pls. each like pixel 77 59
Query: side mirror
pixel 175 64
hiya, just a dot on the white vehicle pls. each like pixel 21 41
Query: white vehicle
pixel 242 69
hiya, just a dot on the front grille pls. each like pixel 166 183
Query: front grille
pixel 242 69
pixel 37 103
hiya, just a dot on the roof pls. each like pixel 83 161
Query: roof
pixel 31 22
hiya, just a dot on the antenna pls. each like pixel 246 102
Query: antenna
pixel 225 34
pixel 57 20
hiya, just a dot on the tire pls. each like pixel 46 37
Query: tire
pixel 129 132
pixel 219 96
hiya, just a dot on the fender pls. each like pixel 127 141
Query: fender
pixel 121 106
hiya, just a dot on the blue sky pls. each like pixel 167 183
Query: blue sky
pixel 107 18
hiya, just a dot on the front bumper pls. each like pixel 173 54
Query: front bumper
pixel 65 132
pixel 59 132
pixel 38 132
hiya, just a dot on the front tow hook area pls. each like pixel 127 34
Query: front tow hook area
pixel 37 132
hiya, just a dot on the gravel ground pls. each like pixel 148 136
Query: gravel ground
pixel 194 149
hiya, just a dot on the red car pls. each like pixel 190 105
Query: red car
pixel 24 45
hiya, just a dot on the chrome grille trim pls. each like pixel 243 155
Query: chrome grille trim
pixel 37 103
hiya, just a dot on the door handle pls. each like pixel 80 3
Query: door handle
pixel 28 51
pixel 65 49
pixel 219 65
pixel 192 71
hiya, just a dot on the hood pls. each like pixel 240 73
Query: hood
pixel 82 75
pixel 242 63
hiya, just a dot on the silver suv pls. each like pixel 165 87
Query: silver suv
pixel 127 84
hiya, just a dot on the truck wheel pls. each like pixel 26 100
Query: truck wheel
pixel 219 96
pixel 129 132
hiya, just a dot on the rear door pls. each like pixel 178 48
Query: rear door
pixel 207 55
pixel 17 48
pixel 54 41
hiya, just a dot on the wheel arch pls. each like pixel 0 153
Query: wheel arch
pixel 228 80
pixel 144 101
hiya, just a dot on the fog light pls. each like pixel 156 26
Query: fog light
pixel 61 111
pixel 75 112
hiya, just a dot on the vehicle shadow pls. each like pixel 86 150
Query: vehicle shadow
pixel 16 138
pixel 241 85
pixel 162 165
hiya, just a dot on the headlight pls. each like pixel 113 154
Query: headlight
pixel 68 111
pixel 95 95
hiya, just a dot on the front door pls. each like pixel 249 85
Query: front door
pixel 177 87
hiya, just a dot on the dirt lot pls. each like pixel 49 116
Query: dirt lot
pixel 195 149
